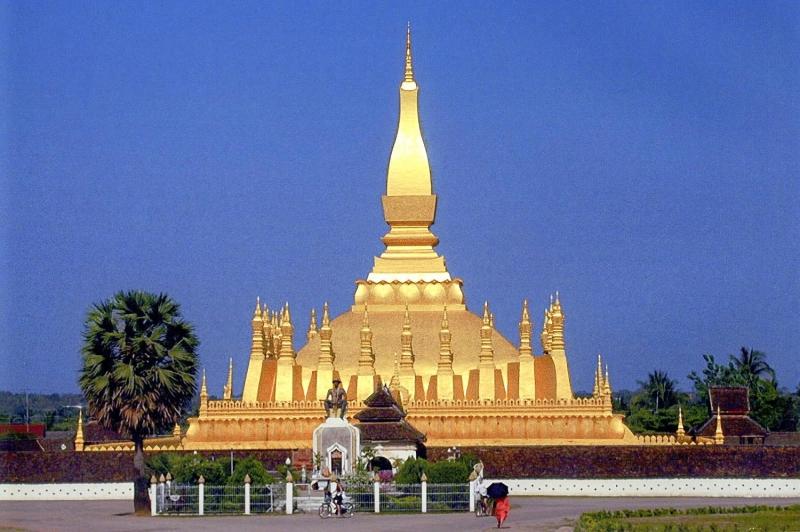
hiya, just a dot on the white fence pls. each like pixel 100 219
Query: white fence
pixel 655 487
pixel 79 491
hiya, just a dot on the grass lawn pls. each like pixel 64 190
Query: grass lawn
pixel 744 518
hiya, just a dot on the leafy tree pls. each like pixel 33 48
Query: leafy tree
pixel 752 366
pixel 447 472
pixel 138 373
pixel 190 467
pixel 411 471
pixel 253 467
pixel 659 389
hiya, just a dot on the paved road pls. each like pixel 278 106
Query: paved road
pixel 527 513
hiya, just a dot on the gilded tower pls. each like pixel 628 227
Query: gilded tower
pixel 409 326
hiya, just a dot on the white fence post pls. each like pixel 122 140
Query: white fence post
pixel 424 494
pixel 289 493
pixel 472 478
pixel 153 495
pixel 376 493
pixel 201 495
pixel 247 494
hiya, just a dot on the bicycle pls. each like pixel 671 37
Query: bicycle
pixel 328 509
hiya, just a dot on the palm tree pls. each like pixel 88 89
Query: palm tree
pixel 752 366
pixel 139 366
pixel 660 388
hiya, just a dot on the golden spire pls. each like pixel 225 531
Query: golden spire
pixel 557 327
pixel 606 384
pixel 491 320
pixel 79 442
pixel 409 75
pixel 203 388
pixel 366 361
pixel 525 328
pixel 544 338
pixel 487 349
pixel 312 325
pixel 394 383
pixel 719 437
pixel 257 342
pixel 598 379
pixel 267 333
pixel 286 352
pixel 227 390
pixel 257 312
pixel 445 353
pixel 326 354
pixel 176 433
pixel 680 432
pixel 406 342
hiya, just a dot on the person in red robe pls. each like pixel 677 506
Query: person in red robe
pixel 501 508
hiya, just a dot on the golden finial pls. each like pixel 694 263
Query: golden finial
pixel 409 74
pixel 312 325
pixel 486 319
pixel 257 312
pixel 326 320
pixel 227 390
pixel 719 437
pixel 606 383
pixel 491 320
pixel 286 315
pixel 680 432
pixel 525 314
pixel 203 389
pixel 79 441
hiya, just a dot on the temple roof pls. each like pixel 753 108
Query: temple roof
pixel 729 399
pixel 382 419
pixel 732 425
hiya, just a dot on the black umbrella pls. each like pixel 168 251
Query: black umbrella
pixel 497 490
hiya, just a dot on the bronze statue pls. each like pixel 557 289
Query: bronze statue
pixel 336 398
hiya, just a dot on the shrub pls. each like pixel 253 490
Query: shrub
pixel 447 472
pixel 411 470
pixel 189 468
pixel 253 467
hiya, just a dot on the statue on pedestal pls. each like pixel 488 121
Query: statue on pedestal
pixel 336 400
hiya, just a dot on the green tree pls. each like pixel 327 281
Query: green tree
pixel 752 366
pixel 138 373
pixel 253 467
pixel 411 471
pixel 190 467
pixel 660 390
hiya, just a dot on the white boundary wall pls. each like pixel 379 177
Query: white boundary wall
pixel 95 491
pixel 655 487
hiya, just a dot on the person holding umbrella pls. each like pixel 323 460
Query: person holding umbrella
pixel 499 492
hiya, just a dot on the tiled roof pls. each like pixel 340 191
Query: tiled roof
pixel 729 399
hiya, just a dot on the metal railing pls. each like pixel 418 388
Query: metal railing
pixel 448 497
pixel 401 497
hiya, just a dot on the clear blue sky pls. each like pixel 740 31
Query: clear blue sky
pixel 640 157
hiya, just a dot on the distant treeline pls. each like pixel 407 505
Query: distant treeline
pixel 53 409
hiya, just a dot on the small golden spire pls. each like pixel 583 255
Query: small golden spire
pixel 409 74
pixel 227 390
pixel 486 356
pixel 326 320
pixel 257 311
pixel 312 325
pixel 719 437
pixel 491 320
pixel 79 442
pixel 203 388
pixel 394 383
pixel 681 433
pixel 606 384
pixel 176 431
pixel 486 318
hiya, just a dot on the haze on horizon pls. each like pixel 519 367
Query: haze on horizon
pixel 641 159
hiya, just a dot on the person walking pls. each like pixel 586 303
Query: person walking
pixel 501 508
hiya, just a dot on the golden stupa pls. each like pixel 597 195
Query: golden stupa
pixel 460 381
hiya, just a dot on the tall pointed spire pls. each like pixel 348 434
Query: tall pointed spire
pixel 680 432
pixel 366 360
pixel 445 366
pixel 719 437
pixel 409 206
pixel 312 325
pixel 227 390
pixel 409 74
pixel 487 349
pixel 79 441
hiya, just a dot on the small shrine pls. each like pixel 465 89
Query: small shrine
pixel 730 422
pixel 383 427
